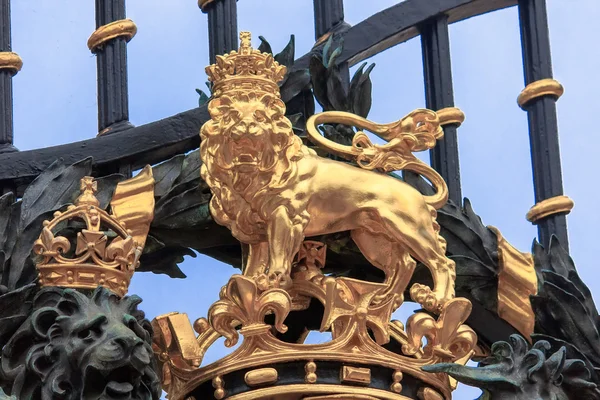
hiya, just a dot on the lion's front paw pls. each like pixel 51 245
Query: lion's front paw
pixel 262 282
pixel 280 280
pixel 423 295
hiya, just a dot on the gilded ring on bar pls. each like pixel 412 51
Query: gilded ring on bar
pixel 11 61
pixel 543 87
pixel 551 206
pixel 123 27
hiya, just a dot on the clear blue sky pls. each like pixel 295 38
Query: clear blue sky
pixel 55 103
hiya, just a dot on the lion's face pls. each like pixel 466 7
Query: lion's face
pixel 76 347
pixel 253 132
pixel 245 137
pixel 249 152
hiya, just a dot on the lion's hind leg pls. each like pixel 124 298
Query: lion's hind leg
pixel 420 237
pixel 390 257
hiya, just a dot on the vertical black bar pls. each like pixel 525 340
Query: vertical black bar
pixel 222 27
pixel 113 101
pixel 437 71
pixel 541 113
pixel 6 98
pixel 328 13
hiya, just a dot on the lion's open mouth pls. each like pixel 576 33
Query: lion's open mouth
pixel 245 159
pixel 246 163
pixel 121 383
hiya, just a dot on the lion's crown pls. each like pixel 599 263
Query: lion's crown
pixel 245 69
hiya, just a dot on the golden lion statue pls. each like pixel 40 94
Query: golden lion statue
pixel 271 191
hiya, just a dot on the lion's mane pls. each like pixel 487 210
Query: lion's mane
pixel 243 202
pixel 74 347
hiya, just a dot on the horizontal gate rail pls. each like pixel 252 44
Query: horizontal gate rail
pixel 145 144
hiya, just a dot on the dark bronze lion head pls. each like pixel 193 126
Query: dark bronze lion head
pixel 77 347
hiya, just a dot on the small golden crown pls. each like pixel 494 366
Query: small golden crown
pixel 247 69
pixel 104 252
pixel 368 356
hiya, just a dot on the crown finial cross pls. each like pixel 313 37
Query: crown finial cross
pixel 245 42
pixel 88 188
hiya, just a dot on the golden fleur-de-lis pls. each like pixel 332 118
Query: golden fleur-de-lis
pixel 120 250
pixel 447 338
pixel 49 245
pixel 242 301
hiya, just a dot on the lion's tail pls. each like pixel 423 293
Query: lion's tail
pixel 440 197
pixel 397 153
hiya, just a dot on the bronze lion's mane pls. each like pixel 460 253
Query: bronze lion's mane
pixel 74 346
pixel 255 191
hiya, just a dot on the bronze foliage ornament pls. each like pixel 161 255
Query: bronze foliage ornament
pixel 517 371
